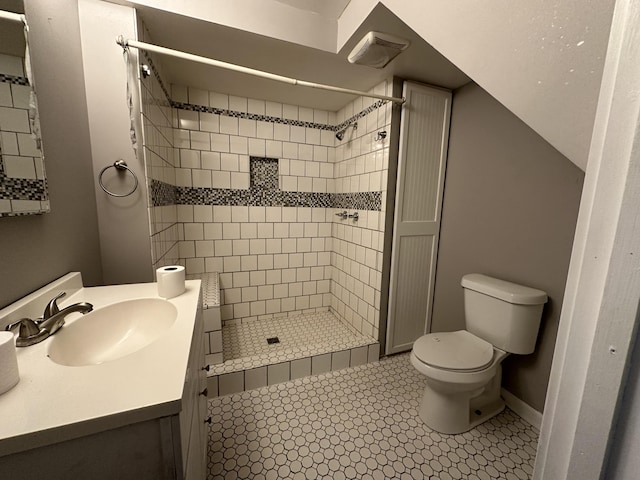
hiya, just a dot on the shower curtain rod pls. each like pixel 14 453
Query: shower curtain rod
pixel 124 43
pixel 14 17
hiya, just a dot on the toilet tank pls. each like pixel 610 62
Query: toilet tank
pixel 505 314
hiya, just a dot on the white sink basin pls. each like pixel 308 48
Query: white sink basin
pixel 111 332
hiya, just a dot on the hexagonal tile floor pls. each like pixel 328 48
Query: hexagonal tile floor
pixel 362 423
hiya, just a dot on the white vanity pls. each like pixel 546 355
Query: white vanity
pixel 140 414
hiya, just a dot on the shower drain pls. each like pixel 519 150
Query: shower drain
pixel 273 340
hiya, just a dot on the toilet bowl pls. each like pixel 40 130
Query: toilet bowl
pixel 463 368
pixel 456 397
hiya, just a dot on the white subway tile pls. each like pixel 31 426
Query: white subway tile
pixel 273 214
pixel 210 160
pixel 257 246
pixel 278 373
pixel 264 130
pixel 231 264
pixel 241 279
pixel 231 383
pixel 228 125
pixel 201 178
pixel 265 230
pixel 179 94
pixel 273 149
pixel 241 247
pixel 297 134
pixel 219 100
pixel 312 136
pixel 273 245
pixel 249 294
pixel 19 167
pixel 273 109
pixel 237 104
pixel 214 264
pixel 290 150
pixel 198 97
pixel 230 231
pixel 209 122
pixel 229 162
pixel 300 368
pixel 340 360
pixel 247 127
pixel 305 114
pixel 239 145
pixel 200 140
pixel 255 378
pixel 281 290
pixel 222 213
pixel 181 138
pixel 9 141
pixel 257 147
pixel 321 364
pixel 188 120
pixel 221 179
pixel 219 142
pixel 290 112
pixel 257 278
pixel 288 183
pixel 281 230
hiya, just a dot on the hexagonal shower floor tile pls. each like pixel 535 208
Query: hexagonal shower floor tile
pixel 361 422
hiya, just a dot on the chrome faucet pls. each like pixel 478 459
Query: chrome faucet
pixel 34 331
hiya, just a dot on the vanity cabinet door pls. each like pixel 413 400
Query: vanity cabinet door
pixel 195 401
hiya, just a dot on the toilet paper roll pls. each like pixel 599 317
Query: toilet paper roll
pixel 170 281
pixel 9 375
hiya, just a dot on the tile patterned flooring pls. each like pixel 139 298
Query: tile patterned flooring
pixel 300 336
pixel 361 422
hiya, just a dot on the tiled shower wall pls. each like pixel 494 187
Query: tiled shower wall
pixel 254 193
pixel 269 230
pixel 23 187
pixel 361 165
pixel 160 160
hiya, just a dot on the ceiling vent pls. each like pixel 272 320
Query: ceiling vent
pixel 377 49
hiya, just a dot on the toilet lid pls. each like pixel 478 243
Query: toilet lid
pixel 459 350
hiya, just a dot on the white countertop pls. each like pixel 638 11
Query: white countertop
pixel 53 403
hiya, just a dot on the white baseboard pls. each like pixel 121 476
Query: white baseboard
pixel 523 409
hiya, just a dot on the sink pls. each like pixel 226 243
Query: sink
pixel 111 332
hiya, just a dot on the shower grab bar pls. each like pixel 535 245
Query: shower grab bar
pixel 126 42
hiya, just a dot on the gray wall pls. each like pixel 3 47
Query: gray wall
pixel 35 250
pixel 510 208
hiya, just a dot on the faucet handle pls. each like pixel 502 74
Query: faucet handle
pixel 28 327
pixel 52 307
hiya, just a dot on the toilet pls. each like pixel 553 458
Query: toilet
pixel 463 368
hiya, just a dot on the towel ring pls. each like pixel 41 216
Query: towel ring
pixel 121 166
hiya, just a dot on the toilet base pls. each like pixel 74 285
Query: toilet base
pixel 457 412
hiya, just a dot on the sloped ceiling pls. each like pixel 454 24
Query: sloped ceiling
pixel 543 60
pixel 419 62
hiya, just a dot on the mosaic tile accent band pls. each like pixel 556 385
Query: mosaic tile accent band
pixel 162 194
pixel 262 118
pixel 251 116
pixel 149 60
pixel 263 192
pixel 21 188
pixel 4 78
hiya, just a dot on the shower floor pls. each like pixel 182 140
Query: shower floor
pixel 317 337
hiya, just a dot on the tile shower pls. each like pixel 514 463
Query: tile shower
pixel 249 189
pixel 22 177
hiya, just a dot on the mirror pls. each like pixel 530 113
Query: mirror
pixel 23 185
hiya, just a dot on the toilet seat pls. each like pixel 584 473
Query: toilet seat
pixel 459 351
